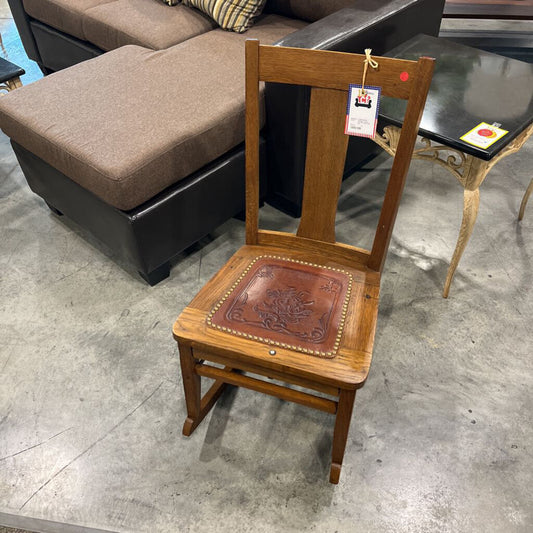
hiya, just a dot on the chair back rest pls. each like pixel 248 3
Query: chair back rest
pixel 329 75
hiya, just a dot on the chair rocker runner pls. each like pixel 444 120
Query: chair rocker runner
pixel 301 308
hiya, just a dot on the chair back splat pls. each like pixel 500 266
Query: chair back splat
pixel 329 75
pixel 300 308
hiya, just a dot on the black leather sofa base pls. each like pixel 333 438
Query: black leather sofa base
pixel 150 235
pixel 59 50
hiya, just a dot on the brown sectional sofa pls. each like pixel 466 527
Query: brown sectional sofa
pixel 142 145
pixel 139 150
pixel 111 24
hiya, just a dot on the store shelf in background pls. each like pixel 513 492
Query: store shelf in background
pixel 489 9
pixel 510 38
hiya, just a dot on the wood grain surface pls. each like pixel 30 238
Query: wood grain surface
pixel 203 347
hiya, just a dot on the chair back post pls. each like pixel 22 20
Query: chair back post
pixel 252 124
pixel 402 160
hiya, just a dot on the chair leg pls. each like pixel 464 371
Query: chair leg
pixel 197 407
pixel 192 388
pixel 340 433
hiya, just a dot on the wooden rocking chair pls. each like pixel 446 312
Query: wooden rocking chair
pixel 301 309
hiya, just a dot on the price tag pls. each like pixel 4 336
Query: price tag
pixel 362 112
pixel 483 135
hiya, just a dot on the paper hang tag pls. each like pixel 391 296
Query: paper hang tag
pixel 483 135
pixel 362 112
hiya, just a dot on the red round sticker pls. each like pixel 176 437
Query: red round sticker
pixel 404 76
pixel 486 132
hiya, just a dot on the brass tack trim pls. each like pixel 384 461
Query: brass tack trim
pixel 277 343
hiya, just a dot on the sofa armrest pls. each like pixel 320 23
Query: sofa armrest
pixel 372 24
pixel 380 26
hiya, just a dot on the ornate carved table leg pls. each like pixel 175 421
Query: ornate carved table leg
pixel 470 209
pixel 468 170
pixel 474 172
pixel 524 200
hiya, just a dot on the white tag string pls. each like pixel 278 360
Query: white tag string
pixel 368 61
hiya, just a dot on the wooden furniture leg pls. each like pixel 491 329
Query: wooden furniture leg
pixel 13 84
pixel 192 389
pixel 197 406
pixel 470 210
pixel 340 433
pixel 524 200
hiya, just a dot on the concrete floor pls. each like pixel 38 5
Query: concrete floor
pixel 91 404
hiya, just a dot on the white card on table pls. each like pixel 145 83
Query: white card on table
pixel 362 112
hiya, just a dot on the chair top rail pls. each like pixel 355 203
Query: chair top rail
pixel 334 70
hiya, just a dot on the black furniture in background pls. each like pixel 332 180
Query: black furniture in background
pixel 469 87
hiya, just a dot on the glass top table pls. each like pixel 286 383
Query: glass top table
pixel 469 87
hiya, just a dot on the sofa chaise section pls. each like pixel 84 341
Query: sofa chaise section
pixel 135 122
pixel 132 122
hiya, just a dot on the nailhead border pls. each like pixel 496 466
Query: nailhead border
pixel 318 353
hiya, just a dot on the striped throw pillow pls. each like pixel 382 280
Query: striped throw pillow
pixel 232 15
pixel 171 2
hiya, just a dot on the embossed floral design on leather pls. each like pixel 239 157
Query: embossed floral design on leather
pixel 330 286
pixel 284 307
pixel 265 272
pixel 287 303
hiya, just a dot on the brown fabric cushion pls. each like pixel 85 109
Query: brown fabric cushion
pixel 64 15
pixel 148 23
pixel 309 10
pixel 131 122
